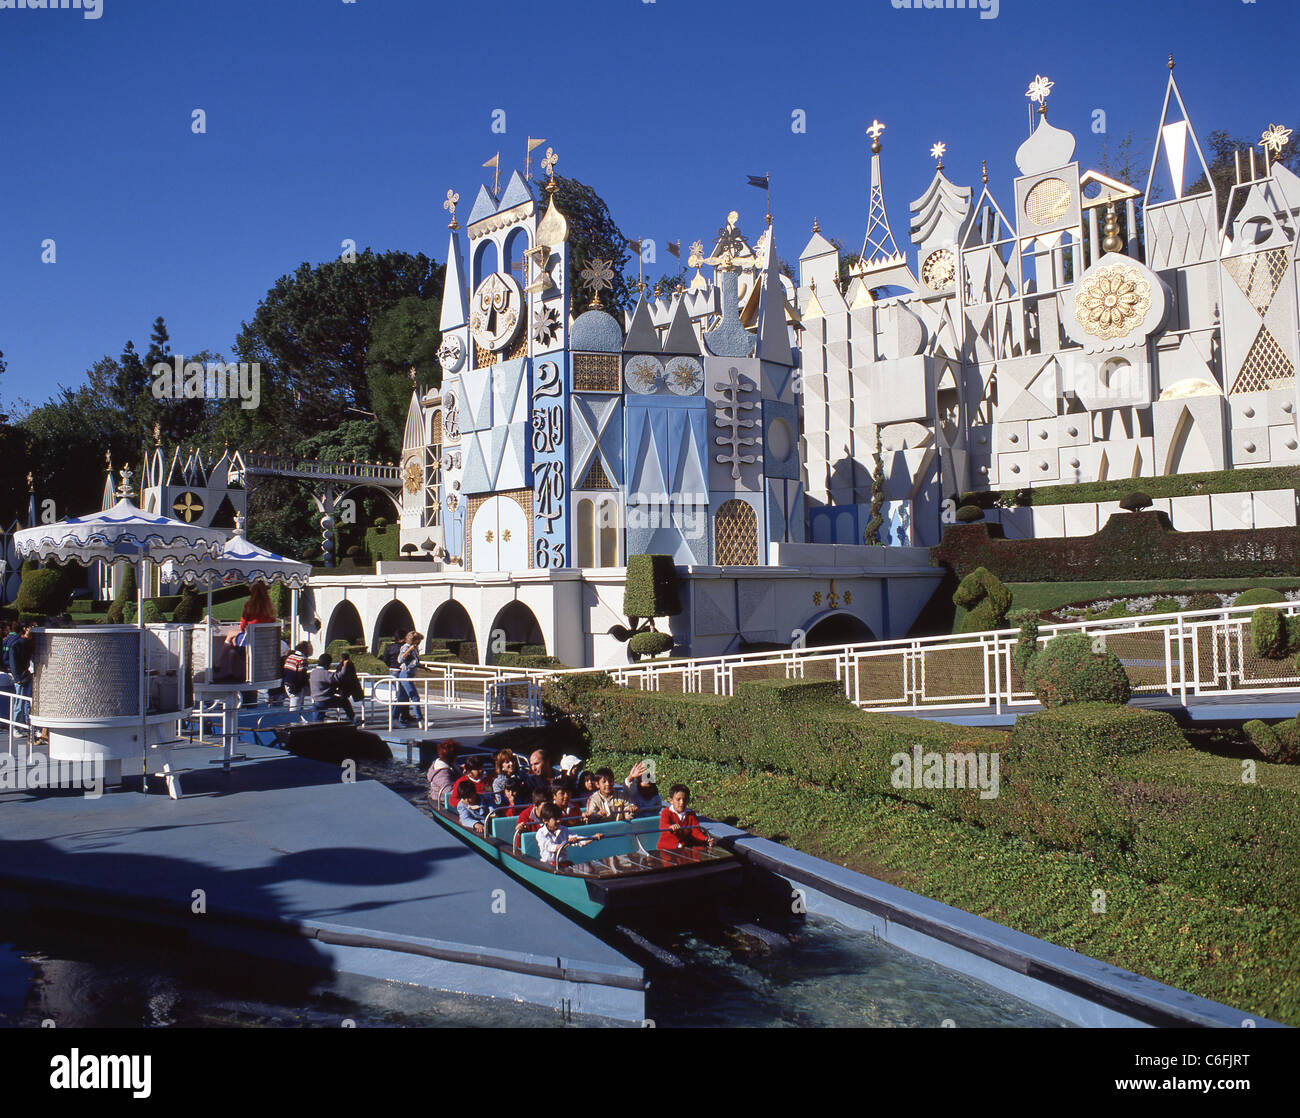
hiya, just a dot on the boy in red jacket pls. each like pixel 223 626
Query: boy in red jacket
pixel 678 825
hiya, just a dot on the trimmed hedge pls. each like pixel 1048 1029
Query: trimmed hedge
pixel 1279 742
pixel 1173 485
pixel 1260 596
pixel 45 591
pixel 650 643
pixel 1134 545
pixel 1071 777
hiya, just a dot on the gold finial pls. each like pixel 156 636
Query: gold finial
pixel 659 288
pixel 1274 139
pixel 874 132
pixel 984 171
pixel 1111 242
pixel 548 165
pixel 157 434
pixel 816 228
pixel 597 276
pixel 936 152
pixel 1038 90
pixel 1171 62
pixel 412 374
pixel 31 483
pixel 450 206
pixel 108 460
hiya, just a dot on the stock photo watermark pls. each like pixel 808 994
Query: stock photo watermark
pixel 89 9
pixel 38 773
pixel 919 769
pixel 179 379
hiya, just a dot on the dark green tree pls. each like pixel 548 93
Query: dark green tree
pixel 593 235
pixel 1220 152
pixel 871 534
pixel 404 337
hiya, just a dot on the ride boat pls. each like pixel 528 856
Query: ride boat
pixel 621 872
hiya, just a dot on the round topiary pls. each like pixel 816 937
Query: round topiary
pixel 1279 743
pixel 1260 596
pixel 44 591
pixel 380 523
pixel 650 643
pixel 1134 502
pixel 1268 635
pixel 1067 670
pixel 969 514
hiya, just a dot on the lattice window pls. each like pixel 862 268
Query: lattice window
pixel 735 535
pixel 1266 366
pixel 596 477
pixel 1258 274
pixel 519 349
pixel 435 428
pixel 596 372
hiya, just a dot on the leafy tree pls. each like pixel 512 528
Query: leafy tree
pixel 871 534
pixel 593 235
pixel 311 336
pixel 405 336
pixel 1220 150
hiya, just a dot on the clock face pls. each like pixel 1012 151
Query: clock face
pixel 451 354
pixel 938 270
pixel 495 311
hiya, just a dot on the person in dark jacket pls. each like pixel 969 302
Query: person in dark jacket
pixel 349 688
pixel 324 685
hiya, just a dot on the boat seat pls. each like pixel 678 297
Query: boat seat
pixel 620 839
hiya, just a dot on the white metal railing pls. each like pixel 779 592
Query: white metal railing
pixel 1194 653
pixel 11 702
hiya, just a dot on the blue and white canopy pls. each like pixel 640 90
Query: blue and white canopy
pixel 240 562
pixel 122 532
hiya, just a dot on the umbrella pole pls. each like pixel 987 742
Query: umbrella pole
pixel 293 620
pixel 144 662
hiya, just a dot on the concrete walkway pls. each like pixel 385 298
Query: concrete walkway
pixel 280 858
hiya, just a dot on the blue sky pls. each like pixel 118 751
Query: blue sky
pixel 329 120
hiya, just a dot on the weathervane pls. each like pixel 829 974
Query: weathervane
pixel 1038 91
pixel 597 277
pixel 450 206
pixel 936 152
pixel 730 242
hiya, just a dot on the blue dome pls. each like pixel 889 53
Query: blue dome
pixel 596 332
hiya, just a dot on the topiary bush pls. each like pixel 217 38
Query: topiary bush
pixel 189 610
pixel 651 587
pixel 650 643
pixel 44 590
pixel 1203 600
pixel 1268 633
pixel 969 514
pixel 153 615
pixel 1260 596
pixel 1027 640
pixel 1067 670
pixel 1279 742
pixel 129 614
pixel 985 599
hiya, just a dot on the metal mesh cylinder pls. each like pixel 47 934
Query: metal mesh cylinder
pixel 263 652
pixel 86 674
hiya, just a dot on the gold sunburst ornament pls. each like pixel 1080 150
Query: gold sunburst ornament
pixel 1112 302
pixel 413 478
pixel 450 206
pixel 1274 139
pixel 1038 91
pixel 598 276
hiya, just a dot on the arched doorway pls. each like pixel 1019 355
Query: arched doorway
pixel 394 621
pixel 451 627
pixel 837 628
pixel 345 624
pixel 515 629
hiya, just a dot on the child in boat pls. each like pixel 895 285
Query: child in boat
pixel 505 766
pixel 587 787
pixel 473 778
pixel 562 798
pixel 514 794
pixel 602 805
pixel 679 826
pixel 528 817
pixel 471 811
pixel 552 836
pixel 640 790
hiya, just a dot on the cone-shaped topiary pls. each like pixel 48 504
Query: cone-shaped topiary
pixel 1068 670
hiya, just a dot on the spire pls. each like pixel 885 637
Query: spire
pixel 1172 140
pixel 879 247
pixel 773 337
pixel 413 435
pixel 455 300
